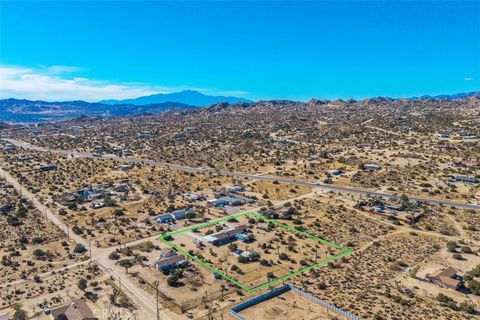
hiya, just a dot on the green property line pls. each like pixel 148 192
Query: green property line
pixel 332 244
pixel 345 251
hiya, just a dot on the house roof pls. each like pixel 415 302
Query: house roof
pixel 240 228
pixel 447 273
pixel 226 233
pixel 249 253
pixel 450 282
pixel 228 199
pixel 183 211
pixel 77 309
pixel 168 252
pixel 169 261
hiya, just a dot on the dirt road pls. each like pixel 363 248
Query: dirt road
pixel 100 255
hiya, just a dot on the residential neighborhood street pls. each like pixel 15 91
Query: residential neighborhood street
pixel 99 255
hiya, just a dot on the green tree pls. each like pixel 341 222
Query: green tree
pixel 172 281
pixel 466 249
pixel 19 313
pixel 452 246
pixel 467 307
pixel 82 284
pixel 405 201
pixel 38 253
pixel 474 287
pixel 457 256
pixel 79 248
pixel 118 212
pixel 114 255
pixel 475 272
pixel 13 221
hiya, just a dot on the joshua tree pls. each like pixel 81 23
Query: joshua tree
pixel 126 263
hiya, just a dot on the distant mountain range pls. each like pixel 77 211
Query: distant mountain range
pixel 14 110
pixel 462 95
pixel 189 97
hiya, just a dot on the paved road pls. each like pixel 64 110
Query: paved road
pixel 326 187
pixel 100 255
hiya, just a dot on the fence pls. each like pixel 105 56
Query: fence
pixel 278 291
pixel 323 303
pixel 272 293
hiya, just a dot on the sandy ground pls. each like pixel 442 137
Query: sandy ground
pixel 289 306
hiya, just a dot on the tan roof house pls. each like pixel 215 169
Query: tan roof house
pixel 447 278
pixel 77 309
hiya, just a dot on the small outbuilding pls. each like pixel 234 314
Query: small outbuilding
pixel 371 167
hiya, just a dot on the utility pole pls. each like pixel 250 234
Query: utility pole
pixel 90 248
pixel 156 298
pixel 68 231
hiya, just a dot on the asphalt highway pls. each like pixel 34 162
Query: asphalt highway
pixel 326 187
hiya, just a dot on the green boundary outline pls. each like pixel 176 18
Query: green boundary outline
pixel 345 251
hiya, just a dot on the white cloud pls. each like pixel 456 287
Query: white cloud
pixel 58 70
pixel 468 79
pixel 55 84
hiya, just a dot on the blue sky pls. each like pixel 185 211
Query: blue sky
pixel 259 50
